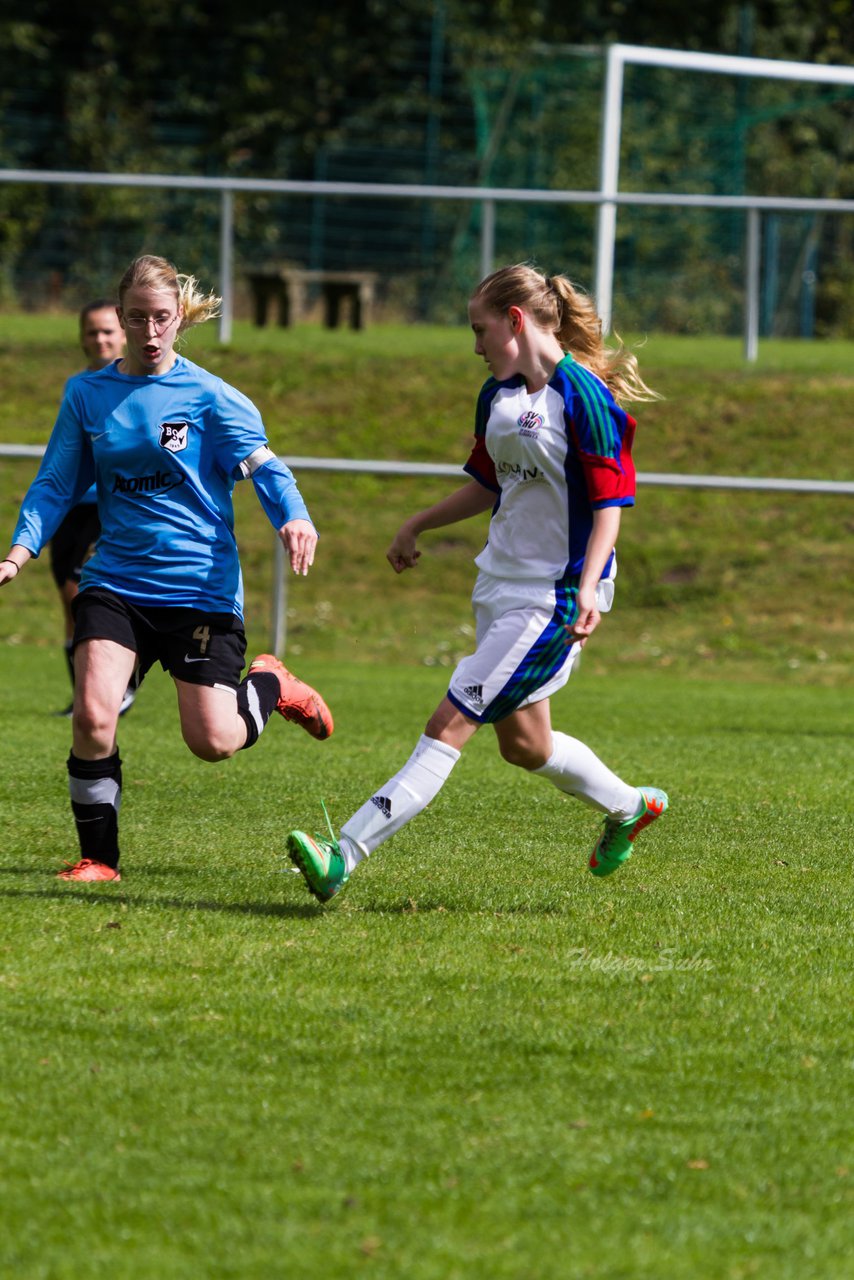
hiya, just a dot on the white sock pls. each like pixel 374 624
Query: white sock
pixel 399 801
pixel 574 768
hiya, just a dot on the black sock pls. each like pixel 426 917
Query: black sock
pixel 95 787
pixel 257 698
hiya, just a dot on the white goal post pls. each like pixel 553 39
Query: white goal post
pixel 618 57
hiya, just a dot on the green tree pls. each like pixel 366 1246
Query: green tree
pixel 409 90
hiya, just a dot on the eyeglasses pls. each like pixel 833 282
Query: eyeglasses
pixel 160 321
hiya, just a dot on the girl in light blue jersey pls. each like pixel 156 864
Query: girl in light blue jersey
pixel 164 442
pixel 103 341
pixel 552 460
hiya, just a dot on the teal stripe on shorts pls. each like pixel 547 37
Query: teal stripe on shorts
pixel 542 661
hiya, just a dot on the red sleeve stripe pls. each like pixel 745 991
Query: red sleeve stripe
pixel 481 466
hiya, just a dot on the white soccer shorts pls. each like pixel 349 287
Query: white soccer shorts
pixel 524 651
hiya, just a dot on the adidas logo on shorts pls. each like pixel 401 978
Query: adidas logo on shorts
pixel 475 692
pixel 383 804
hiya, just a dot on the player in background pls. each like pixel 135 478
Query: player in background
pixel 102 339
pixel 552 460
pixel 164 441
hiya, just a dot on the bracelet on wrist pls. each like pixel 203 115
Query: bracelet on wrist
pixel 14 562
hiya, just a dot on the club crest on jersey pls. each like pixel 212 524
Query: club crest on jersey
pixel 173 436
pixel 529 423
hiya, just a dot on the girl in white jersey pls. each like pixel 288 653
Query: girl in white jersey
pixel 164 441
pixel 552 459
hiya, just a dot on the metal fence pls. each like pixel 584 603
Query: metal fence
pixel 489 198
pixel 734 242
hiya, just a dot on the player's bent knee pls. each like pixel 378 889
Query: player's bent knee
pixel 522 755
pixel 210 752
pixel 210 747
pixel 95 723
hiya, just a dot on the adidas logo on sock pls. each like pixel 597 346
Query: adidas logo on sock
pixel 474 691
pixel 383 804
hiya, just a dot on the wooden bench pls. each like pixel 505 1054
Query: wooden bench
pixel 287 288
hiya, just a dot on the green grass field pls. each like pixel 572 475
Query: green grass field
pixel 480 1061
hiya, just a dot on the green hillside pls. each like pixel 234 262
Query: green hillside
pixel 711 583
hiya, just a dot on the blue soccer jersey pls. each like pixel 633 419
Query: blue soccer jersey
pixel 164 452
pixel 90 497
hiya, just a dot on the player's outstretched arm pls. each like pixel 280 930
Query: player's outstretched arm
pixel 470 500
pixel 12 565
pixel 299 538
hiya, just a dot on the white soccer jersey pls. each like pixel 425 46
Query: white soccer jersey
pixel 552 456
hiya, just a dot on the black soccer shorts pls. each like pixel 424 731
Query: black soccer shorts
pixel 72 542
pixel 191 644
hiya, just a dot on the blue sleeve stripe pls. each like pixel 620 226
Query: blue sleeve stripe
pixel 597 403
pixel 484 405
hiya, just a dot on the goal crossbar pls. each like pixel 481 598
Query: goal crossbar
pixel 617 58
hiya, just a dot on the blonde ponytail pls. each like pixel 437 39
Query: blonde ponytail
pixel 198 306
pixel 561 307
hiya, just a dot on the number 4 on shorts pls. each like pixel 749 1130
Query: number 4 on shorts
pixel 203 635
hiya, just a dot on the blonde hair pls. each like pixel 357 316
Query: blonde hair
pixel 564 309
pixel 151 272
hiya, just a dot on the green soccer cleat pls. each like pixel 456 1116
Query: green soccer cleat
pixel 614 846
pixel 320 862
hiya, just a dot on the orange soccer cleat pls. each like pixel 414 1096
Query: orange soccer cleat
pixel 88 869
pixel 297 700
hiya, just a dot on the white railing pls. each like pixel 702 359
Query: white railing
pixel 279 607
pixel 375 466
pixel 279 603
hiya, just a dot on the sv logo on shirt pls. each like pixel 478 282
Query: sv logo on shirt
pixel 173 436
pixel 529 423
